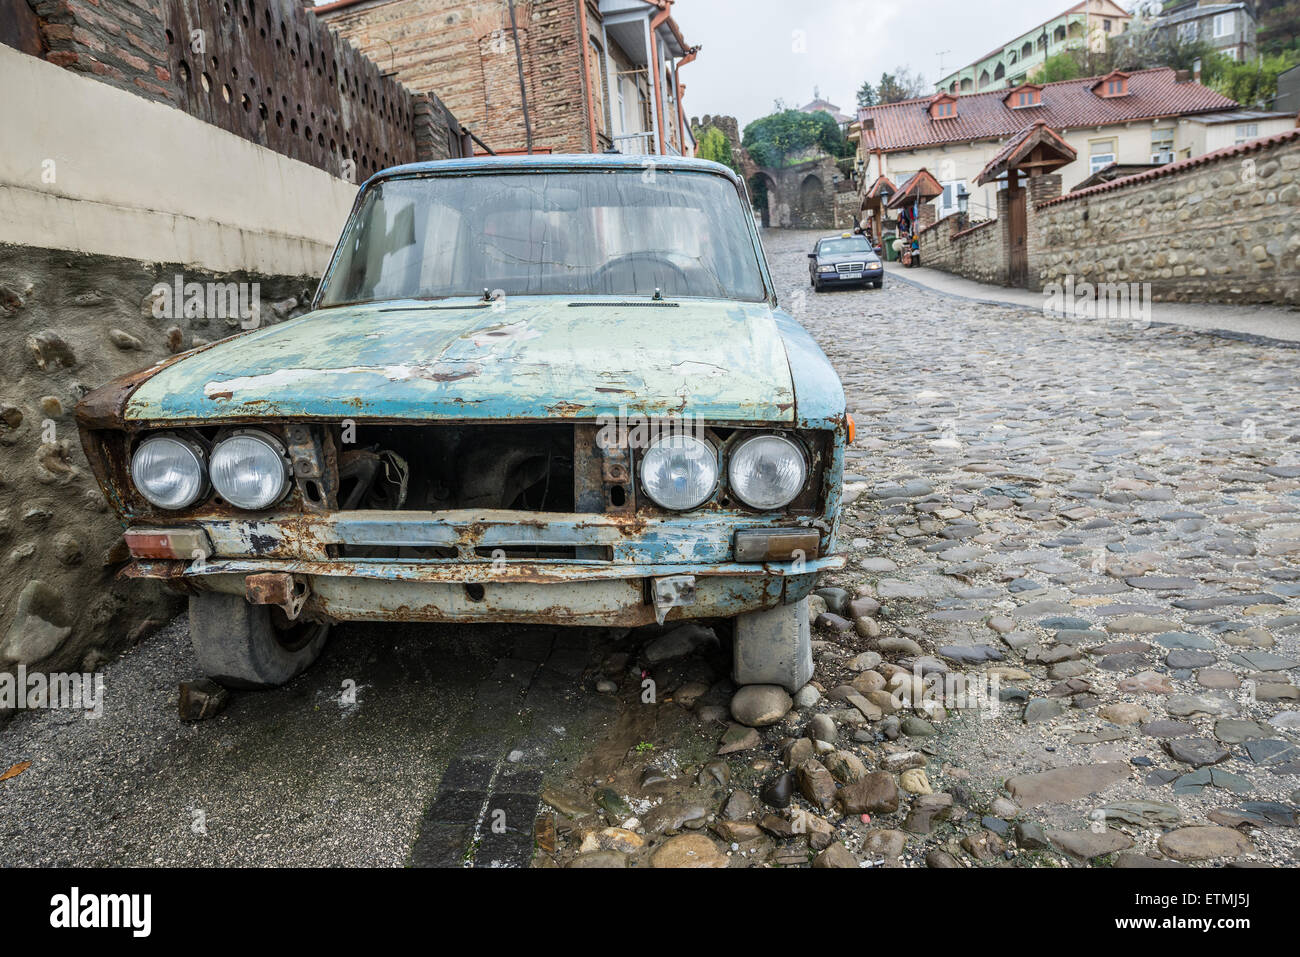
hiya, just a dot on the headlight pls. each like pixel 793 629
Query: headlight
pixel 767 471
pixel 679 472
pixel 249 470
pixel 168 471
pixel 826 269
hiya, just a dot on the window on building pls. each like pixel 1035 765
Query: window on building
pixel 1058 35
pixel 1026 51
pixel 1246 132
pixel 984 78
pixel 943 109
pixel 1162 145
pixel 1188 32
pixel 1101 153
pixel 999 72
pixel 1107 25
pixel 1230 53
pixel 948 201
pixel 1224 24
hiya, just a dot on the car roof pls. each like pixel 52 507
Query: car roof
pixel 543 162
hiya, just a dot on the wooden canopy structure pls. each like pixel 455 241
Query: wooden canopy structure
pixel 1035 151
pixel 873 203
pixel 1038 149
pixel 921 187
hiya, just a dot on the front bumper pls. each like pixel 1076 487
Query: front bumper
pixel 476 586
pixel 560 593
pixel 867 275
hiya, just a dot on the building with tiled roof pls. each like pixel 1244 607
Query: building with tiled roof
pixel 1140 117
pixel 818 105
pixel 1090 22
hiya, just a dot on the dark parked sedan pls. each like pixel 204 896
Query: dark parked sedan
pixel 843 261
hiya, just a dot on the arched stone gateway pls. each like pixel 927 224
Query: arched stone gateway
pixel 801 196
pixel 811 196
pixel 766 198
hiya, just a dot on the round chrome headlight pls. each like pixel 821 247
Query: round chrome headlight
pixel 767 471
pixel 679 472
pixel 169 472
pixel 249 470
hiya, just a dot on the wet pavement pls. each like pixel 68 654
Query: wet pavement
pixel 1103 517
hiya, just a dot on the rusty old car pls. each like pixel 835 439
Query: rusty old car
pixel 529 389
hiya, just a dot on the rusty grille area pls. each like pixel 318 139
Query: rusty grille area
pixel 435 468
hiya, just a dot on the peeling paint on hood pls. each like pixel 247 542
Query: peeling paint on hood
pixel 522 358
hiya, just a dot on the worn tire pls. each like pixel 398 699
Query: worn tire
pixel 238 645
pixel 774 647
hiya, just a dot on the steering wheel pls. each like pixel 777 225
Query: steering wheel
pixel 636 260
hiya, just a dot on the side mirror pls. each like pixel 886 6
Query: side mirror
pixel 812 255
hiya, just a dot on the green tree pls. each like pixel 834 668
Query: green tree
pixel 866 95
pixel 714 145
pixel 1060 66
pixel 772 140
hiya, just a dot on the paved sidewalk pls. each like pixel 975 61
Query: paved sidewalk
pixel 1272 323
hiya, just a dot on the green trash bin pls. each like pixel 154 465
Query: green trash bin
pixel 891 254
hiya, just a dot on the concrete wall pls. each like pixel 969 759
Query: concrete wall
pixel 96 169
pixel 1217 229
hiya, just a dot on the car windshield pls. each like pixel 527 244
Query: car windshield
pixel 606 232
pixel 844 247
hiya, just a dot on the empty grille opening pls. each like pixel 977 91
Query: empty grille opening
pixel 592 553
pixel 397 552
pixel 441 467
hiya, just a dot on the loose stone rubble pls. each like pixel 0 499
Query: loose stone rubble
pixel 1068 633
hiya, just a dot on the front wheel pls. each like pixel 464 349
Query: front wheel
pixel 251 646
pixel 774 647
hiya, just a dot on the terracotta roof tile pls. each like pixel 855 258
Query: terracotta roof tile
pixel 1068 104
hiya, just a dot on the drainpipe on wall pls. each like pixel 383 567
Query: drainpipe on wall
pixel 659 20
pixel 586 71
pixel 681 92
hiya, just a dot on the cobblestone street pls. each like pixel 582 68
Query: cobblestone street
pixel 1108 519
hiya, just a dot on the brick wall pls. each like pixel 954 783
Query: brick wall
pixel 1224 227
pixel 464 50
pixel 267 70
pixel 121 42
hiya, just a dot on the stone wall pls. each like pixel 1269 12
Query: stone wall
pixel 72 321
pixel 976 251
pixel 1223 227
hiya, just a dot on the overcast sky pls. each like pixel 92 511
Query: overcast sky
pixel 752 52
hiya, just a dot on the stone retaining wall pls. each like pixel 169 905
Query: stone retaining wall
pixel 1224 227
pixel 975 252
pixel 71 322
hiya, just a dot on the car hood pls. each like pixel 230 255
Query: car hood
pixel 830 259
pixel 521 358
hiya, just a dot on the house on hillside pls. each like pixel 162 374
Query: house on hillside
pixel 1229 28
pixel 1091 23
pixel 597 74
pixel 1143 117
